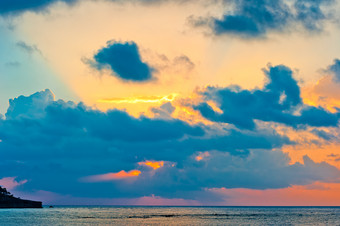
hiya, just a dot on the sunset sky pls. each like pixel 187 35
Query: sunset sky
pixel 171 102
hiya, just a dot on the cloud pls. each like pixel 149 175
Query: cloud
pixel 121 175
pixel 311 14
pixel 185 61
pixel 253 18
pixel 179 64
pixel 11 182
pixel 247 18
pixel 112 125
pixel 325 92
pixel 164 111
pixel 14 64
pixel 170 67
pixel 29 107
pixel 30 49
pixel 334 69
pixel 153 164
pixel 279 101
pixel 14 7
pixel 123 60
pixel 328 136
pixel 256 18
pixel 54 142
pixel 262 169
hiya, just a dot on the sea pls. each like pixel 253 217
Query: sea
pixel 147 215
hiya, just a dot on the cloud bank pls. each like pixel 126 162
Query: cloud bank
pixel 52 143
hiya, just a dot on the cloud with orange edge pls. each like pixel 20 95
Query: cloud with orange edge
pixel 153 164
pixel 325 92
pixel 201 156
pixel 121 175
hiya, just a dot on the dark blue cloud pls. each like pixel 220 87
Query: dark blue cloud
pixel 335 70
pixel 278 101
pixel 112 125
pixel 29 107
pixel 156 138
pixel 255 18
pixel 53 143
pixel 124 61
pixel 12 7
pixel 310 13
pixel 260 170
pixel 236 25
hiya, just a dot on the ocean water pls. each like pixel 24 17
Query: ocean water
pixel 107 215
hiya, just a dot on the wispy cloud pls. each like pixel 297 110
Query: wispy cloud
pixel 11 183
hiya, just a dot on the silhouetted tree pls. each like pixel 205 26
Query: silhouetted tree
pixel 4 192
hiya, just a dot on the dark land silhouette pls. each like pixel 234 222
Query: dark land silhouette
pixel 7 200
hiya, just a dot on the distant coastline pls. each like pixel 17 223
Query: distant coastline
pixel 7 200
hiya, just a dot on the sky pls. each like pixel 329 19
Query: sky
pixel 171 102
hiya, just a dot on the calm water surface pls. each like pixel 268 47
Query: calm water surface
pixel 103 215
